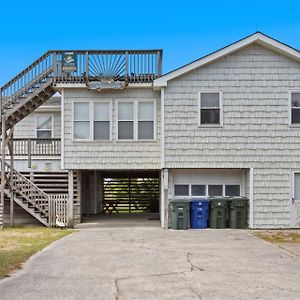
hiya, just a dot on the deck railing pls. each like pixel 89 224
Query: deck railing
pixel 123 65
pixel 33 147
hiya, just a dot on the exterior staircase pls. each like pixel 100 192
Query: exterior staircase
pixel 27 195
pixel 20 97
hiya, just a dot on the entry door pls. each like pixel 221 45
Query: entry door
pixel 295 205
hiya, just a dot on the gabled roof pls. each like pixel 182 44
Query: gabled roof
pixel 257 37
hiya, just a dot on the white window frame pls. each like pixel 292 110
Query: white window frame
pixel 36 123
pixel 91 113
pixel 293 186
pixel 206 189
pixel 220 92
pixel 290 108
pixel 135 120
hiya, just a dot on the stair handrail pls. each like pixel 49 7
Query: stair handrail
pixel 28 68
pixel 30 74
pixel 34 187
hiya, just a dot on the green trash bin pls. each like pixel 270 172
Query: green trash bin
pixel 218 212
pixel 180 212
pixel 238 212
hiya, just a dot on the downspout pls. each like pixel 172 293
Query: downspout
pixel 251 199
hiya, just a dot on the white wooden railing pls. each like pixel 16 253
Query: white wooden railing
pixel 36 147
pixel 58 210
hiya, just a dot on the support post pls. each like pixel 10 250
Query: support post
pixel 2 170
pixel 70 205
pixel 11 150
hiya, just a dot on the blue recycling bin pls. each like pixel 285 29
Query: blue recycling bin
pixel 199 213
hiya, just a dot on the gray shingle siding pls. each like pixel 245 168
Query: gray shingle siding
pixel 110 155
pixel 255 82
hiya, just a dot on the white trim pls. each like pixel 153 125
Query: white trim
pixel 256 37
pixel 135 119
pixel 251 198
pixel 290 108
pixel 48 108
pixel 62 133
pixel 220 92
pixel 162 128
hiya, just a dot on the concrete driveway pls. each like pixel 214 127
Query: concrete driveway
pixel 146 262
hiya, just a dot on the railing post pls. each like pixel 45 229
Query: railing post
pixel 159 63
pixel 54 66
pixel 86 65
pixel 29 153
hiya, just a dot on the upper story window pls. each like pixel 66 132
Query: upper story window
pixel 136 120
pixel 91 121
pixel 295 108
pixel 82 126
pixel 44 126
pixel 210 106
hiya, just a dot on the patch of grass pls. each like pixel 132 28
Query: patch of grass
pixel 18 244
pixel 279 236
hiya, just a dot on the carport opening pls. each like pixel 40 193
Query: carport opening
pixel 136 193
pixel 120 195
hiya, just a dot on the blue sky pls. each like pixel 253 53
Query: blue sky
pixel 185 30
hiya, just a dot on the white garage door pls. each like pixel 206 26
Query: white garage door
pixel 205 183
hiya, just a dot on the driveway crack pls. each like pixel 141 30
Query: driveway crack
pixel 117 294
pixel 192 266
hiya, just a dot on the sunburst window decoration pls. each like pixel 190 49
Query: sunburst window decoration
pixel 107 67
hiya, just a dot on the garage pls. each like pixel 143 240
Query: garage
pixel 208 183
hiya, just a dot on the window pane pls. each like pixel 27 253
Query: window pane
pixel 43 122
pixel 125 111
pixel 44 134
pixel 210 116
pixel 295 99
pixel 181 190
pixel 232 190
pixel 101 130
pixel 209 99
pixel 215 190
pixel 297 186
pixel 145 130
pixel 101 112
pixel 295 116
pixel 81 130
pixel 81 111
pixel 125 130
pixel 198 190
pixel 145 111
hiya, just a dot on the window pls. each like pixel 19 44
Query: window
pixel 210 108
pixel 295 107
pixel 43 126
pixel 92 120
pixel 125 121
pixel 136 120
pixel 145 121
pixel 198 190
pixel 232 190
pixel 181 190
pixel 215 190
pixel 101 121
pixel 297 186
pixel 82 120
